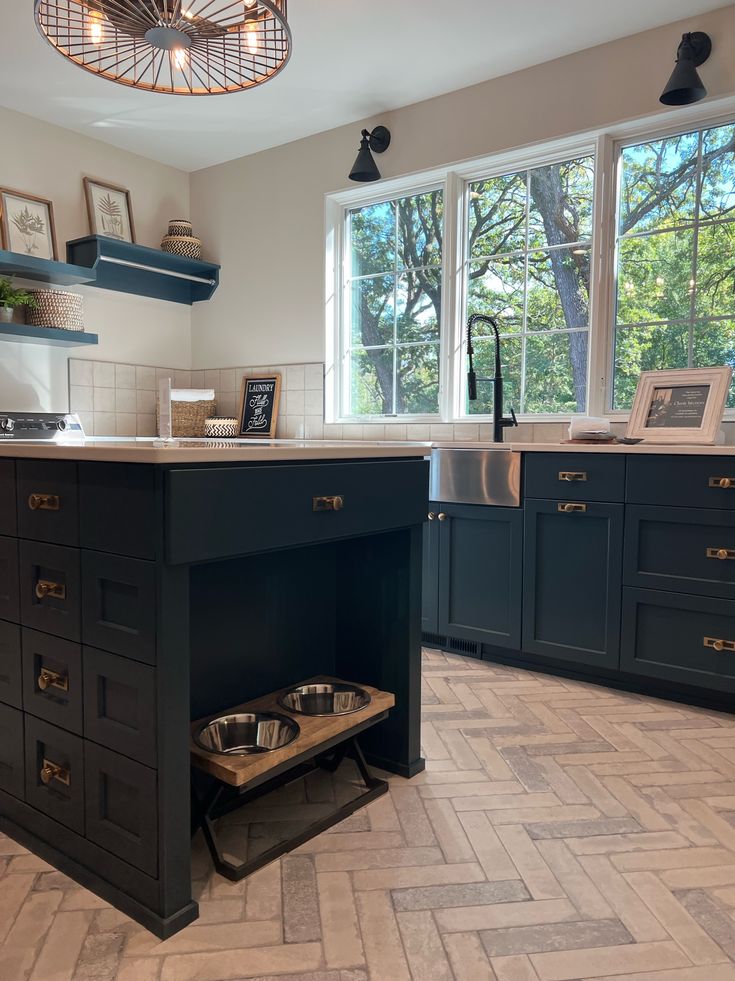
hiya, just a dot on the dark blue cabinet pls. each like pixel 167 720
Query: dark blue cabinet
pixel 430 576
pixel 571 581
pixel 480 555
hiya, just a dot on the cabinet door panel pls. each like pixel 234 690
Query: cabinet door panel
pixel 49 589
pixel 12 777
pixel 10 669
pixel 8 517
pixel 119 605
pixel 48 507
pixel 54 763
pixel 480 574
pixel 9 589
pixel 52 679
pixel 572 582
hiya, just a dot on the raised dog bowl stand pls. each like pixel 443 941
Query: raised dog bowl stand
pixel 323 743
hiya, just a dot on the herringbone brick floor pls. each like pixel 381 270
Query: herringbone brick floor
pixel 561 831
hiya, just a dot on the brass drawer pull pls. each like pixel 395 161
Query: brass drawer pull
pixel 723 482
pixel 569 508
pixel 719 645
pixel 46 587
pixel 54 771
pixel 431 516
pixel 570 475
pixel 332 503
pixel 441 516
pixel 52 679
pixel 44 502
pixel 721 553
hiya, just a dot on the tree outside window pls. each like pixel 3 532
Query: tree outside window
pixel 675 305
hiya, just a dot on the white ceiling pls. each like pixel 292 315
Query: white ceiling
pixel 352 58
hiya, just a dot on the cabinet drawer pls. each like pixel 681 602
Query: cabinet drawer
pixel 682 481
pixel 119 605
pixel 12 776
pixel 575 476
pixel 50 589
pixel 225 511
pixel 664 637
pixel 689 551
pixel 55 773
pixel 9 586
pixel 10 670
pixel 117 508
pixel 8 517
pixel 48 508
pixel 122 807
pixel 52 679
pixel 120 704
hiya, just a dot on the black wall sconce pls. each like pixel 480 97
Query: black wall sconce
pixel 365 169
pixel 685 86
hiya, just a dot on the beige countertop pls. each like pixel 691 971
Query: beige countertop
pixel 611 449
pixel 114 450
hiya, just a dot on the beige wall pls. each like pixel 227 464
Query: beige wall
pixel 50 162
pixel 263 215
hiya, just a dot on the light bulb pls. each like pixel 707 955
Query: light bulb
pixel 95 27
pixel 180 56
pixel 251 36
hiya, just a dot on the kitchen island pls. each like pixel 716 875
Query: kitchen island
pixel 143 585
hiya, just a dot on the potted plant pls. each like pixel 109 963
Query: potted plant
pixel 10 298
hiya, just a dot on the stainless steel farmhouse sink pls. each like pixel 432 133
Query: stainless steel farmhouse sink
pixel 475 475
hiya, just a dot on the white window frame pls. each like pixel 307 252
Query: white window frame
pixel 605 145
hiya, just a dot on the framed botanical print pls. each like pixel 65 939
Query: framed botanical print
pixel 110 210
pixel 684 405
pixel 27 224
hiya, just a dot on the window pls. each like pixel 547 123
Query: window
pixel 675 303
pixel 393 307
pixel 528 265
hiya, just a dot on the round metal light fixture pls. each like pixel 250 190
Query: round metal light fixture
pixel 685 86
pixel 178 47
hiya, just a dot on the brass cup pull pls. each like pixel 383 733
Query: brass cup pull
pixel 334 502
pixel 719 645
pixel 44 502
pixel 52 679
pixel 723 482
pixel 569 508
pixel 54 771
pixel 47 587
pixel 431 516
pixel 721 553
pixel 441 516
pixel 571 476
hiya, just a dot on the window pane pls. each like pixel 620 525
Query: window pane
pixel 419 305
pixel 718 172
pixel 418 379
pixel 658 185
pixel 497 215
pixel 716 270
pixel 373 239
pixel 640 349
pixel 655 277
pixel 558 289
pixel 420 224
pixel 560 210
pixel 371 388
pixel 556 373
pixel 497 290
pixel 372 311
pixel 714 344
pixel 511 352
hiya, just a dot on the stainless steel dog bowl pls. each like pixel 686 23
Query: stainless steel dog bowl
pixel 327 699
pixel 247 733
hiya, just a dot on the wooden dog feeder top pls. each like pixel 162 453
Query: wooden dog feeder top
pixel 240 771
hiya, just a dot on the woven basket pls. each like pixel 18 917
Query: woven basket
pixel 180 227
pixel 222 427
pixel 183 245
pixel 188 418
pixel 55 308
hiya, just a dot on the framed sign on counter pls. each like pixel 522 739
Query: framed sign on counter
pixel 258 413
pixel 685 405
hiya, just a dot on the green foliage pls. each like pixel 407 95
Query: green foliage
pixel 10 297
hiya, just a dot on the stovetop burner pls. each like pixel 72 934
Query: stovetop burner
pixel 46 426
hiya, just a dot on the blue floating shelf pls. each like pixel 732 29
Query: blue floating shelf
pixel 43 270
pixel 46 335
pixel 129 268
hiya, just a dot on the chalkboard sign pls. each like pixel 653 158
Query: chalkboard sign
pixel 259 406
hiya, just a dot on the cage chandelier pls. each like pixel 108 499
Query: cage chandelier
pixel 179 47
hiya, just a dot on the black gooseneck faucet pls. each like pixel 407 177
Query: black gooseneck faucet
pixel 500 422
